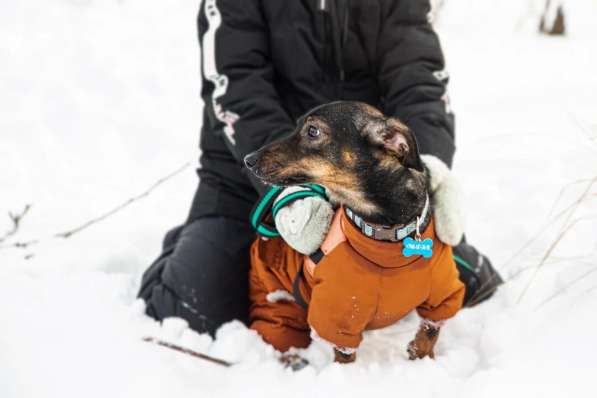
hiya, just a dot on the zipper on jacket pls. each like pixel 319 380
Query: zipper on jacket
pixel 337 36
pixel 337 13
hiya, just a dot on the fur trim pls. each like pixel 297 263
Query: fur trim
pixel 445 200
pixel 433 324
pixel 344 350
pixel 279 295
pixel 304 223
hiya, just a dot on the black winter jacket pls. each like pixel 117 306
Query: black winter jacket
pixel 266 62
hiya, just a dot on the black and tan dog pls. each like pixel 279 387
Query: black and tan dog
pixel 366 161
pixel 371 167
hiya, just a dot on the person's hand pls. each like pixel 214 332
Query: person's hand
pixel 445 201
pixel 304 223
pixel 424 341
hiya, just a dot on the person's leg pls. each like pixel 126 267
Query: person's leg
pixel 476 272
pixel 202 274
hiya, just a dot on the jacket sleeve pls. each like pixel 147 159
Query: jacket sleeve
pixel 341 305
pixel 412 77
pixel 238 91
pixel 447 291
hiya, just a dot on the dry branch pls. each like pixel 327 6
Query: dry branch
pixel 87 224
pixel 548 252
pixel 565 229
pixel 561 194
pixel 481 294
pixel 16 219
pixel 565 288
pixel 68 233
pixel 550 261
pixel 553 24
pixel 188 351
pixel 555 218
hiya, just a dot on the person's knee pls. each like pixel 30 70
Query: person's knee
pixel 477 273
pixel 171 238
pixel 203 280
pixel 164 303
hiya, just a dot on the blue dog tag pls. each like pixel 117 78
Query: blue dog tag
pixel 412 247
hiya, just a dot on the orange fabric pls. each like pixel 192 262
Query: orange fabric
pixel 360 284
pixel 334 237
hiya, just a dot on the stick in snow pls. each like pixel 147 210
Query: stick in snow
pixel 16 219
pixel 67 234
pixel 187 351
pixel 87 224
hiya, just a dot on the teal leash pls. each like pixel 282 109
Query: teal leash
pixel 265 206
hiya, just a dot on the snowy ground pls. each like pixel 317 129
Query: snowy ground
pixel 100 99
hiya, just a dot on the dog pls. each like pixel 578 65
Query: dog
pixel 381 258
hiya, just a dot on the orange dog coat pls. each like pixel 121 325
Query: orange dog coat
pixel 360 284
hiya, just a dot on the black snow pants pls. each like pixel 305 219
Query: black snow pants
pixel 202 273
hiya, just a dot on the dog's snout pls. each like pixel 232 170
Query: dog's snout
pixel 251 160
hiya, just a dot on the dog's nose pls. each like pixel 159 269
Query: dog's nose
pixel 251 160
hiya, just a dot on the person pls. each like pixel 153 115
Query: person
pixel 264 64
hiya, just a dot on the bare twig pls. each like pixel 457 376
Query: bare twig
pixel 589 290
pixel 576 259
pixel 553 24
pixel 20 244
pixel 550 249
pixel 480 294
pixel 585 130
pixel 87 224
pixel 561 194
pixel 562 290
pixel 188 351
pixel 16 219
pixel 570 208
pixel 68 233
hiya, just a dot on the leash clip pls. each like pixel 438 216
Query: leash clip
pixel 418 229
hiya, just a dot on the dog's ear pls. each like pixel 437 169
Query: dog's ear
pixel 397 139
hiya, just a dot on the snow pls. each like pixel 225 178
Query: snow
pixel 100 99
pixel 279 295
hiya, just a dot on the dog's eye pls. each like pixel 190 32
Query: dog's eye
pixel 313 132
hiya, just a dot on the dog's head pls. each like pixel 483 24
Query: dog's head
pixel 350 148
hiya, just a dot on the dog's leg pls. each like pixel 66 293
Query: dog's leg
pixel 294 362
pixel 341 356
pixel 425 339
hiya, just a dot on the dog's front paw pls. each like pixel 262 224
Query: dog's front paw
pixel 294 362
pixel 343 356
pixel 424 342
pixel 417 352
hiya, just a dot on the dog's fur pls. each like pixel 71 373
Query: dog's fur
pixel 365 160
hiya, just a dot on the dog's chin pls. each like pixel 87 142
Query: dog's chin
pixel 282 181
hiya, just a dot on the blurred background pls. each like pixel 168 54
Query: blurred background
pixel 99 100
